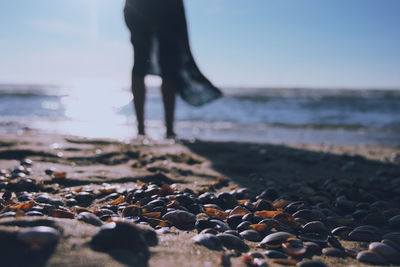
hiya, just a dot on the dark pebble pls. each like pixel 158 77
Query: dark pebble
pixel 371 258
pixel 89 218
pixel 248 217
pixel 122 235
pixel 314 237
pixel 313 248
pixel 39 238
pixel 364 234
pixel 7 214
pixel 391 244
pixel 210 241
pixel 315 227
pixel 84 198
pixel 374 219
pixel 42 198
pixel 33 213
pixel 226 200
pixel 275 254
pixel 233 242
pixel 313 263
pixel 270 194
pixel 276 239
pixel 393 236
pixel 71 202
pixel 342 231
pixel 220 225
pixel 181 219
pixel 256 254
pixel 204 224
pixel 251 235
pixel 307 215
pixel 335 243
pixel 395 222
pixel 209 231
pixel 333 252
pixel 243 226
pixel 233 232
pixel 386 251
pixel 234 220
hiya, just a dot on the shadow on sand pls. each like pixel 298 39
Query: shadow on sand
pixel 257 166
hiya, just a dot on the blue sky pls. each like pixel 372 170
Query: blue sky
pixel 285 43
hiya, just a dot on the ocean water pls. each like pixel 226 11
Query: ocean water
pixel 328 116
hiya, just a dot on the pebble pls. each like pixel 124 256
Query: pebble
pixel 386 251
pixel 275 254
pixel 210 241
pixel 371 257
pixel 393 236
pixel 256 254
pixel 233 242
pixel 395 222
pixel 39 238
pixel 315 227
pixel 251 235
pixel 33 213
pixel 342 231
pixel 181 219
pixel 333 252
pixel 276 239
pixel 312 263
pixel 364 234
pixel 233 232
pixel 120 235
pixel 84 198
pixel 89 218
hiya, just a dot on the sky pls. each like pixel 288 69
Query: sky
pixel 240 43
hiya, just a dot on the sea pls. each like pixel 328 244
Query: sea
pixel 261 115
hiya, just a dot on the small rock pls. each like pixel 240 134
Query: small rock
pixel 39 238
pixel 333 252
pixel 313 263
pixel 251 235
pixel 233 242
pixel 181 219
pixel 210 241
pixel 89 218
pixel 124 236
pixel 371 257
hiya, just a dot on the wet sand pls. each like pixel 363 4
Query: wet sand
pixel 91 164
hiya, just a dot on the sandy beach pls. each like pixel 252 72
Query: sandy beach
pixel 296 171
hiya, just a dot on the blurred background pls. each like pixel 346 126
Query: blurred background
pixel 310 71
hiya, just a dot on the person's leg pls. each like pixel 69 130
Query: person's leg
pixel 168 94
pixel 139 94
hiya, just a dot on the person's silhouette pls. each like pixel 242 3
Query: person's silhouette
pixel 161 47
